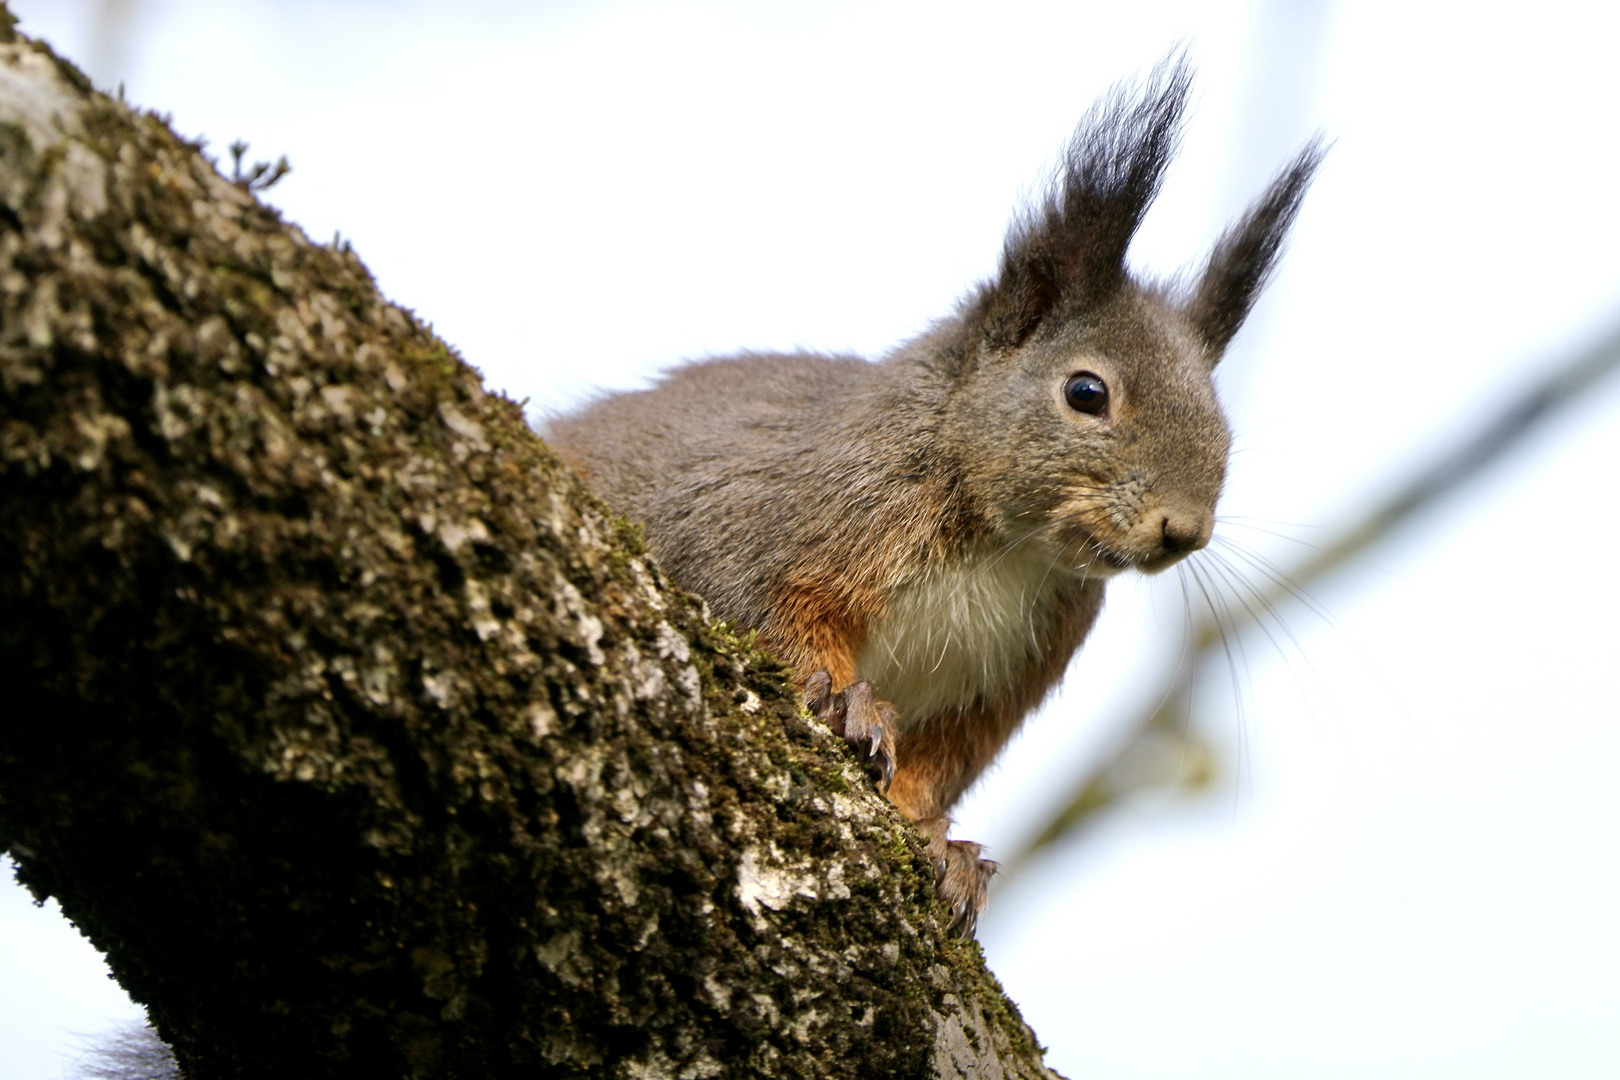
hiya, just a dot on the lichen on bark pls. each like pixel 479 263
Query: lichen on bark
pixel 351 728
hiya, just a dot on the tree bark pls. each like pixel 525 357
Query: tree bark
pixel 358 736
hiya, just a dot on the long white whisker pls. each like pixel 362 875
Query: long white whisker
pixel 1222 616
pixel 1239 586
pixel 1276 576
pixel 1286 585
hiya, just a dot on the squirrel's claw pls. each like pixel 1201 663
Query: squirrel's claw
pixel 885 760
pixel 962 877
pixel 855 713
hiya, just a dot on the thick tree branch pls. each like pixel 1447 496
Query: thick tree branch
pixel 358 736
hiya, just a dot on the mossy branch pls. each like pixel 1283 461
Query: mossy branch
pixel 354 732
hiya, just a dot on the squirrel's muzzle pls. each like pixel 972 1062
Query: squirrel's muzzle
pixel 1164 537
pixel 1181 534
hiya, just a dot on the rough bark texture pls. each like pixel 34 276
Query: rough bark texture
pixel 359 737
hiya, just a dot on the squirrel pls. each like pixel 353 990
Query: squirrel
pixel 942 523
pixel 939 526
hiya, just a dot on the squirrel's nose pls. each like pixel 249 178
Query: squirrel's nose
pixel 1184 532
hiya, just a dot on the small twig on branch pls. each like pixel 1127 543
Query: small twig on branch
pixel 261 175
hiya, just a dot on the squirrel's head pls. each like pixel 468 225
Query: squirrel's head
pixel 1081 402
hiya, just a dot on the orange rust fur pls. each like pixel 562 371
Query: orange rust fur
pixel 817 627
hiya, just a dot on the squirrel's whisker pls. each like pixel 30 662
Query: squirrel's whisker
pixel 1277 577
pixel 1240 586
pixel 1227 632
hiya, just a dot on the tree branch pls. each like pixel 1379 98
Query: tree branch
pixel 358 736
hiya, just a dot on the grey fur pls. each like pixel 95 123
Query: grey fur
pixel 736 465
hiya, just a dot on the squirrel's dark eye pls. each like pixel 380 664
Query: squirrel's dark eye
pixel 1086 393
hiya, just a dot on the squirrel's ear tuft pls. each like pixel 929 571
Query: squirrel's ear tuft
pixel 1244 257
pixel 1070 250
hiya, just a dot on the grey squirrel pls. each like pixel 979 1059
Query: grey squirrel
pixel 939 526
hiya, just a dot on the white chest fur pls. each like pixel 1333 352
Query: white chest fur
pixel 960 632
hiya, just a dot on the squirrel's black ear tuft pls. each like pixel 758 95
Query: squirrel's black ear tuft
pixel 1244 256
pixel 1070 250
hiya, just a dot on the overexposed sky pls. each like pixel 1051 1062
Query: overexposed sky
pixel 1408 865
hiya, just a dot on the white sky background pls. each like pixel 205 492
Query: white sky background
pixel 1409 866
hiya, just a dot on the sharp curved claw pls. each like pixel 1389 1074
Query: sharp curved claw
pixel 855 713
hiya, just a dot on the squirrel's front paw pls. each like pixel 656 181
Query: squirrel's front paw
pixel 855 713
pixel 963 879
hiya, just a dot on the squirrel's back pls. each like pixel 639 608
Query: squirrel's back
pixel 748 418
pixel 755 474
